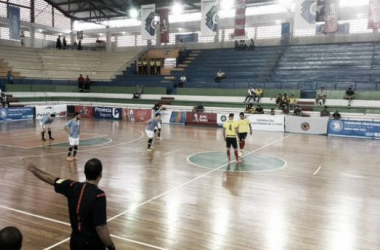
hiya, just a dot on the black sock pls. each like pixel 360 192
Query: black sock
pixel 43 135
pixel 49 132
pixel 70 149
pixel 75 150
pixel 150 143
pixel 159 132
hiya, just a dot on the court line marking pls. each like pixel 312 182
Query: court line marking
pixel 89 146
pixel 316 172
pixel 80 151
pixel 57 143
pixel 68 224
pixel 190 181
pixel 171 152
pixel 244 171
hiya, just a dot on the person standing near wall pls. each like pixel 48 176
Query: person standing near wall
pixel 158 67
pixel 152 67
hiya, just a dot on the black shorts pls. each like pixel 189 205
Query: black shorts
pixel 242 136
pixel 230 141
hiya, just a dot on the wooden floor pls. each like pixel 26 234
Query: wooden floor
pixel 327 197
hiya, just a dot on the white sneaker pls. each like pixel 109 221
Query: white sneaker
pixel 160 138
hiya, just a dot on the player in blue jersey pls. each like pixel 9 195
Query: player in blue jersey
pixel 152 124
pixel 72 127
pixel 45 123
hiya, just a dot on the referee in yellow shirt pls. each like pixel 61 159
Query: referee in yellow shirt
pixel 230 130
pixel 244 123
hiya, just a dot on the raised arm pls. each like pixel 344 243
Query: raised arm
pixel 43 176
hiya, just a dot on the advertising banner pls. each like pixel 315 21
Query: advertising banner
pixel 58 110
pixel 360 129
pixel 204 119
pixel 285 33
pixel 14 22
pixel 223 117
pixel 332 16
pixel 186 38
pixel 85 111
pixel 165 116
pixel 343 29
pixel 164 25
pixel 108 113
pixel 274 123
pixel 306 125
pixel 305 14
pixel 321 11
pixel 16 114
pixel 209 22
pixel 137 115
pixel 241 6
pixel 148 29
pixel 374 14
pixel 178 117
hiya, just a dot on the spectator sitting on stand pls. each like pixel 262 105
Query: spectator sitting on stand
pixel 285 101
pixel 64 43
pixel 10 78
pixel 87 84
pixel 243 45
pixel 199 108
pixel 152 67
pixel 258 95
pixel 292 102
pixel 272 111
pixel 80 45
pixel 182 81
pixel 250 96
pixel 139 92
pixel 219 76
pixel 279 99
pixel 321 95
pixel 158 67
pixel 259 110
pixel 249 109
pixel 252 44
pixel 336 115
pixel 140 66
pixel 325 112
pixel 350 95
pixel 58 44
pixel 145 67
pixel 297 111
pixel 10 238
pixel 80 83
pixel 237 47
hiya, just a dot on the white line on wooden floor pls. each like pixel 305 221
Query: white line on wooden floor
pixel 316 172
pixel 171 152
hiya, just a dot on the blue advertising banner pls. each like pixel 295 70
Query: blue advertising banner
pixel 360 129
pixel 186 38
pixel 285 33
pixel 178 117
pixel 108 113
pixel 14 22
pixel 8 114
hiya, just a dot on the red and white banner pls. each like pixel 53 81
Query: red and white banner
pixel 85 111
pixel 332 16
pixel 203 119
pixel 58 110
pixel 137 115
pixel 374 14
pixel 240 18
pixel 164 25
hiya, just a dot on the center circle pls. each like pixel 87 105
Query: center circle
pixel 251 162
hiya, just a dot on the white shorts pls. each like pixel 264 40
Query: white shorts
pixel 158 126
pixel 74 141
pixel 45 126
pixel 149 133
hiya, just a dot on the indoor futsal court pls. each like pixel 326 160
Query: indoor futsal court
pixel 290 191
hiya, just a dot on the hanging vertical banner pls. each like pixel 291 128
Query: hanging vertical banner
pixel 332 16
pixel 14 22
pixel 374 14
pixel 321 10
pixel 164 25
pixel 285 33
pixel 148 29
pixel 305 14
pixel 241 5
pixel 209 23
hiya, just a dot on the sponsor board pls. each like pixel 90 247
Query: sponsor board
pixel 108 113
pixel 268 122
pixel 204 119
pixel 58 110
pixel 178 117
pixel 348 128
pixel 16 114
pixel 306 125
pixel 85 111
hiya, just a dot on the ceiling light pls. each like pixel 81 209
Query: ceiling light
pixel 227 4
pixel 133 13
pixel 177 8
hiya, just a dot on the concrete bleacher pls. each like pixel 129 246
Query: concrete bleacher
pixel 64 64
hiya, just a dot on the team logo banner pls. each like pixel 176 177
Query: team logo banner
pixel 14 22
pixel 204 119
pixel 223 117
pixel 58 110
pixel 360 129
pixel 305 14
pixel 332 16
pixel 108 113
pixel 86 112
pixel 148 29
pixel 16 114
pixel 164 25
pixel 209 23
pixel 374 14
pixel 241 6
pixel 268 122
pixel 306 125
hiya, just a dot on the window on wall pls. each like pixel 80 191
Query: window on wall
pixel 140 42
pixel 4 33
pixel 304 32
pixel 205 39
pixel 60 21
pixel 268 32
pixel 43 13
pixel 88 40
pixel 227 34
pixel 126 41
pixel 250 32
pixel 3 10
pixel 172 38
pixel 358 26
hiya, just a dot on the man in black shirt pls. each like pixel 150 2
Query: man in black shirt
pixel 10 238
pixel 259 110
pixel 336 115
pixel 350 95
pixel 87 206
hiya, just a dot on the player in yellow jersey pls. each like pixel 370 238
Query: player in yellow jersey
pixel 244 124
pixel 230 130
